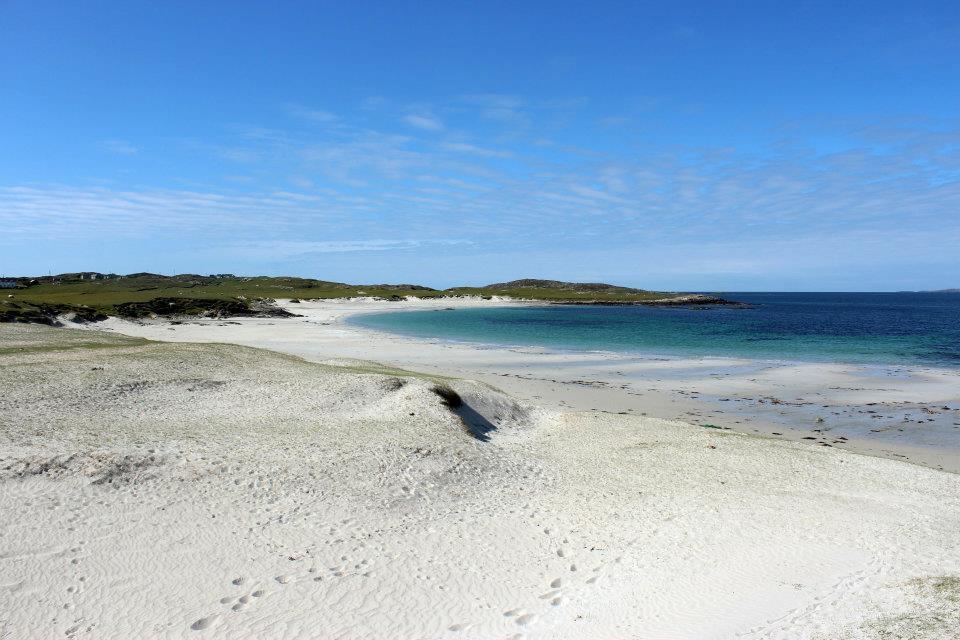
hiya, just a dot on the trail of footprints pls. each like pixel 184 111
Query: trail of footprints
pixel 556 593
pixel 75 590
pixel 239 604
pixel 249 599
pixel 829 598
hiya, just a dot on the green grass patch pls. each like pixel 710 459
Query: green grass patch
pixel 934 612
pixel 106 295
pixel 32 338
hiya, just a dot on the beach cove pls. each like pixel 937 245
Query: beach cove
pixel 909 412
pixel 263 478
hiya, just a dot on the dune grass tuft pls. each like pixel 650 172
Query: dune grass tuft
pixel 451 399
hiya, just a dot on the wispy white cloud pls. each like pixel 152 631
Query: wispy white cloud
pixel 423 121
pixel 241 156
pixel 372 103
pixel 310 114
pixel 502 108
pixel 512 111
pixel 351 186
pixel 70 213
pixel 363 158
pixel 472 149
pixel 285 249
pixel 120 147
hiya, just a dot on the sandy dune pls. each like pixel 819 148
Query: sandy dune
pixel 166 490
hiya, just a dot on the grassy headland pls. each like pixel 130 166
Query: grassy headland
pixel 92 296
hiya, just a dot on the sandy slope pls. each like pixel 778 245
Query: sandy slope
pixel 183 490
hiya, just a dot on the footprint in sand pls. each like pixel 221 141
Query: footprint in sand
pixel 205 623
pixel 526 619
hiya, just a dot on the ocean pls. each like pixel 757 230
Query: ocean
pixel 882 328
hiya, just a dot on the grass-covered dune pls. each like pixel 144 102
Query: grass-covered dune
pixel 107 291
pixel 557 291
pixel 92 295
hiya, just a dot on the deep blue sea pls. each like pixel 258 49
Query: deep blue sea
pixel 885 328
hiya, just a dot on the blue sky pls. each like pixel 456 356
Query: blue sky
pixel 699 146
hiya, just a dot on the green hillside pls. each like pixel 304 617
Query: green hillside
pixel 93 295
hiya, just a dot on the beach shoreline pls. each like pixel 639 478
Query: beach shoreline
pixel 908 412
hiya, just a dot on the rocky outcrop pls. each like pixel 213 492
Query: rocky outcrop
pixel 56 314
pixel 201 307
pixel 46 313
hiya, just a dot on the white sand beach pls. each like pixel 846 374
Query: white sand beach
pixel 902 412
pixel 192 486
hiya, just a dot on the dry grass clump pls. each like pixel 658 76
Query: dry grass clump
pixel 451 399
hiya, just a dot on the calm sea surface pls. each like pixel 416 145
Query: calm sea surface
pixel 890 328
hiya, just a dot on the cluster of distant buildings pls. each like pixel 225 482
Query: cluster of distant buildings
pixel 18 283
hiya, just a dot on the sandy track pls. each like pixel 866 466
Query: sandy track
pixel 183 490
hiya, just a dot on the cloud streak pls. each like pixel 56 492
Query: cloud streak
pixel 348 187
pixel 425 122
pixel 120 147
pixel 285 249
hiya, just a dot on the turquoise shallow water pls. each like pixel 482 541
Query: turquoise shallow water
pixel 883 328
